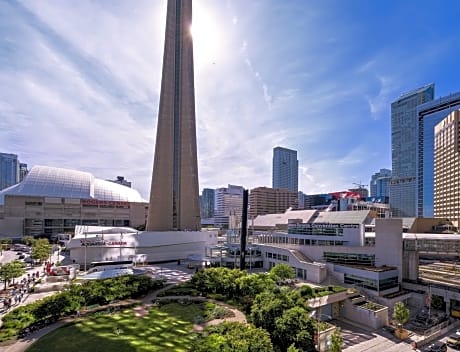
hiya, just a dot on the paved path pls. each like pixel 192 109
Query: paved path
pixel 147 301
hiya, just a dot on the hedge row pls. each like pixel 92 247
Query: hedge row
pixel 74 298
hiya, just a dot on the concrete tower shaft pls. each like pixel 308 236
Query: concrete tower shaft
pixel 174 194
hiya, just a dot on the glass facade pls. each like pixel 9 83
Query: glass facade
pixel 403 150
pixel 9 170
pixel 350 258
pixel 380 184
pixel 207 203
pixel 429 115
pixel 371 284
pixel 285 169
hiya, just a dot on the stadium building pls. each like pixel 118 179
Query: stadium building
pixel 53 200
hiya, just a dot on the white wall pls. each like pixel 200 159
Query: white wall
pixel 389 244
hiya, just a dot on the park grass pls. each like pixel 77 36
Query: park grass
pixel 168 328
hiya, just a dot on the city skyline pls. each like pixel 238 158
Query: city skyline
pixel 84 81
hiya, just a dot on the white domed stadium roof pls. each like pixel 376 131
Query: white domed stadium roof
pixel 45 181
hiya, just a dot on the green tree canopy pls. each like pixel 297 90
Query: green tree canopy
pixel 401 313
pixel 282 272
pixel 336 341
pixel 296 328
pixel 28 240
pixel 11 271
pixel 41 249
pixel 269 305
pixel 233 337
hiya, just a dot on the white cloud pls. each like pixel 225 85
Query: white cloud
pixel 83 84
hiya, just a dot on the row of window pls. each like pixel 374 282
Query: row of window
pixel 302 230
pixel 284 258
pixel 371 284
pixel 350 258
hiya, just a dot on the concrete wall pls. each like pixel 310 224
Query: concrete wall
pixel 373 319
pixel 316 272
pixel 388 244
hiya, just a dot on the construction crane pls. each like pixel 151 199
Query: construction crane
pixel 360 185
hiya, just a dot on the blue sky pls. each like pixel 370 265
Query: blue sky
pixel 79 84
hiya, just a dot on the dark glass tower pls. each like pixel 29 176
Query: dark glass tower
pixel 174 196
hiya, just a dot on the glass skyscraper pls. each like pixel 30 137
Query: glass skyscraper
pixel 404 142
pixel 9 170
pixel 207 203
pixel 285 169
pixel 428 116
pixel 380 184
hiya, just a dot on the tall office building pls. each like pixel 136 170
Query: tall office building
pixel 207 203
pixel 447 167
pixel 285 169
pixel 23 171
pixel 428 116
pixel 380 184
pixel 228 206
pixel 9 170
pixel 174 201
pixel 301 200
pixel 403 150
pixel 264 200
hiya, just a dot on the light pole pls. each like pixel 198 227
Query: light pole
pixel 121 238
pixel 86 245
pixel 317 314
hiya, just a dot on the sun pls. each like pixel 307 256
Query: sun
pixel 206 36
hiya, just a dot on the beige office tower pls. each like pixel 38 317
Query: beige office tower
pixel 174 202
pixel 447 167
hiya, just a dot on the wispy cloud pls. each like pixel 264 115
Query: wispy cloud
pixel 81 86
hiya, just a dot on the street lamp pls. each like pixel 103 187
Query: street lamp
pixel 317 314
pixel 86 245
pixel 121 238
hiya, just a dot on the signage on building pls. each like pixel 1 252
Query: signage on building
pixel 91 242
pixel 328 226
pixel 98 202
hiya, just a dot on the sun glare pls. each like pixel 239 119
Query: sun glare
pixel 206 37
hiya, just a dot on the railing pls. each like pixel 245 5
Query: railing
pixel 300 256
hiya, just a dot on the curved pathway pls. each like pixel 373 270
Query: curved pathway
pixel 22 344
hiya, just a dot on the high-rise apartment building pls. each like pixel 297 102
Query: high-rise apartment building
pixel 428 116
pixel 447 167
pixel 285 169
pixel 264 200
pixel 9 170
pixel 207 203
pixel 228 206
pixel 403 150
pixel 174 201
pixel 301 200
pixel 380 184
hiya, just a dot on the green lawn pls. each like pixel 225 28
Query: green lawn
pixel 164 329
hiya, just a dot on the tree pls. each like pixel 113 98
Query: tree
pixel 233 337
pixel 11 270
pixel 270 305
pixel 336 341
pixel 401 314
pixel 282 272
pixel 6 243
pixel 41 249
pixel 28 240
pixel 294 327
